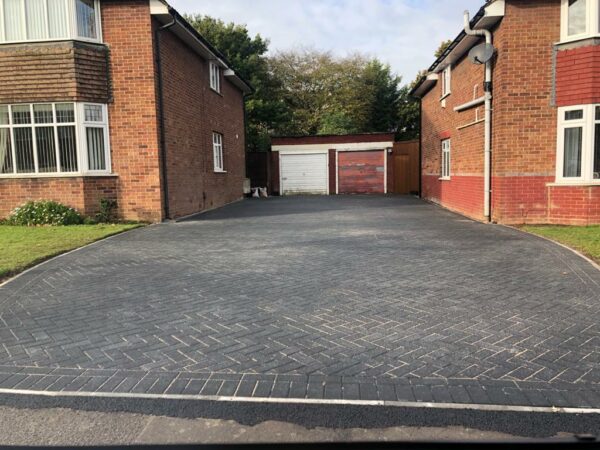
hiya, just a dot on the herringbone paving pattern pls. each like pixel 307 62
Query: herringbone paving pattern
pixel 335 297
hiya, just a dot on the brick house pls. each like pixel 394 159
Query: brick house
pixel 117 99
pixel 544 98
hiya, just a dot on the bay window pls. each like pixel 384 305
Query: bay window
pixel 580 19
pixel 47 20
pixel 578 157
pixel 53 139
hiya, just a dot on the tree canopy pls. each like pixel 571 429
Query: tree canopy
pixel 305 91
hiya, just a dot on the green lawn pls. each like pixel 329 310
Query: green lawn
pixel 584 239
pixel 23 247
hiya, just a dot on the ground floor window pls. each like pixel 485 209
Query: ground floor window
pixel 53 138
pixel 446 149
pixel 218 152
pixel 578 156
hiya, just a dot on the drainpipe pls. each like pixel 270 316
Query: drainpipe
pixel 161 116
pixel 488 88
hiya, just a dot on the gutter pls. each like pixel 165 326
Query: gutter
pixel 488 88
pixel 161 117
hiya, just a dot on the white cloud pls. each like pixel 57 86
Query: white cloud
pixel 404 33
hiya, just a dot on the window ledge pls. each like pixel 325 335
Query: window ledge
pixel 444 97
pixel 219 93
pixel 574 184
pixel 57 175
pixel 220 171
pixel 576 39
pixel 444 178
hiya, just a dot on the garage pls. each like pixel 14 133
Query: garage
pixel 361 172
pixel 329 165
pixel 304 173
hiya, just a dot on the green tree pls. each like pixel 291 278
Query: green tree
pixel 442 48
pixel 408 115
pixel 264 108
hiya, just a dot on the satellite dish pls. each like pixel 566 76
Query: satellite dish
pixel 481 54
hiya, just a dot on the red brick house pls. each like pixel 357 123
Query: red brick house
pixel 543 94
pixel 117 99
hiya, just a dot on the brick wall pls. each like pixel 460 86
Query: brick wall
pixel 193 111
pixel 133 113
pixel 62 71
pixel 81 193
pixel 464 191
pixel 578 76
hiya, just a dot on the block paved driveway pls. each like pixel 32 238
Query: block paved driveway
pixel 374 298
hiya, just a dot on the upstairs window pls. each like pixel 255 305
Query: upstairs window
pixel 446 81
pixel 53 139
pixel 580 19
pixel 47 20
pixel 578 156
pixel 215 77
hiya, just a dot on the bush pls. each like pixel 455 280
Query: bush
pixel 44 213
pixel 107 211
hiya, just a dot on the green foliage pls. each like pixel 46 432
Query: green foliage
pixel 408 116
pixel 264 108
pixel 44 213
pixel 442 48
pixel 108 208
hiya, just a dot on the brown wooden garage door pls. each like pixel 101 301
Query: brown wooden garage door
pixel 361 172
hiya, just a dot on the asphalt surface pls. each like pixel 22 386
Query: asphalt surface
pixel 356 298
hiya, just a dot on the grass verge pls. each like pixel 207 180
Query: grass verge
pixel 583 239
pixel 24 247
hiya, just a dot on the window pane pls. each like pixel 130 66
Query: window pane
pixel 24 150
pixel 67 149
pixel 65 113
pixel 13 20
pixel 597 153
pixel 577 17
pixel 4 117
pixel 58 19
pixel 43 114
pixel 573 146
pixel 86 19
pixel 46 149
pixel 95 144
pixel 35 19
pixel 574 115
pixel 6 165
pixel 21 114
pixel 597 112
pixel 93 113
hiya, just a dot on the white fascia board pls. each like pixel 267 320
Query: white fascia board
pixel 159 7
pixel 430 81
pixel 321 148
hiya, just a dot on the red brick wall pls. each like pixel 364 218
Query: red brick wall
pixel 464 191
pixel 578 76
pixel 576 205
pixel 275 181
pixel 334 139
pixel 127 30
pixel 82 193
pixel 192 112
pixel 332 172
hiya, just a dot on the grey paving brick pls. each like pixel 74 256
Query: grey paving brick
pixel 312 297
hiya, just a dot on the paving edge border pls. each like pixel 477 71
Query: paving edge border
pixel 60 255
pixel 314 402
pixel 560 244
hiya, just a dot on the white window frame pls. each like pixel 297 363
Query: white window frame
pixel 592 21
pixel 215 77
pixel 218 154
pixel 80 141
pixel 446 82
pixel 446 159
pixel 72 31
pixel 588 124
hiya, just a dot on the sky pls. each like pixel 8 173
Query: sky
pixel 403 33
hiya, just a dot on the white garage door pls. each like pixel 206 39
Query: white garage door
pixel 304 174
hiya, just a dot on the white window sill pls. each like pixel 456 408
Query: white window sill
pixel 444 97
pixel 216 92
pixel 581 37
pixel 444 178
pixel 220 171
pixel 56 175
pixel 574 183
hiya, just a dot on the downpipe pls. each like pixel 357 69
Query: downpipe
pixel 488 89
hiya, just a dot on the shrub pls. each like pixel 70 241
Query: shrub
pixel 44 213
pixel 107 211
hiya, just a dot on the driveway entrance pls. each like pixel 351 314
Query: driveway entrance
pixel 372 298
